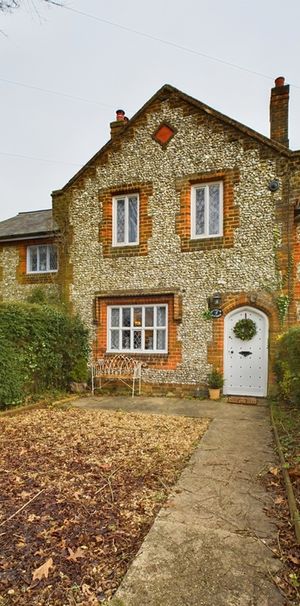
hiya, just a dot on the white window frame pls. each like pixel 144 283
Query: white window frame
pixel 114 217
pixel 206 234
pixel 37 271
pixel 155 327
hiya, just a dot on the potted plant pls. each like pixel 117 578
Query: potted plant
pixel 215 382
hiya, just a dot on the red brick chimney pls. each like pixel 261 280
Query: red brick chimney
pixel 279 112
pixel 118 124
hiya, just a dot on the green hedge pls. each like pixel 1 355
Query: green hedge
pixel 287 365
pixel 41 347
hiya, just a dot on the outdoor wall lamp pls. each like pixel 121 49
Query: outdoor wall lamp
pixel 214 302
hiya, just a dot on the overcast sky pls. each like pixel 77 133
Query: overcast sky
pixel 98 64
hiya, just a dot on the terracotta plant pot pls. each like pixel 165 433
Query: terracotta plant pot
pixel 214 394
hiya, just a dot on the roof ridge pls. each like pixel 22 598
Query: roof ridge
pixel 28 212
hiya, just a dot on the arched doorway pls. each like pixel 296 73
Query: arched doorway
pixel 246 362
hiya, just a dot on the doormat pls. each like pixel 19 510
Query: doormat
pixel 242 400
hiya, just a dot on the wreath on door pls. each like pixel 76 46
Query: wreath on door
pixel 245 329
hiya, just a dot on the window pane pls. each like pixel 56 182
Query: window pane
pixel 52 257
pixel 42 258
pixel 137 321
pixel 126 314
pixel 132 219
pixel 115 317
pixel 161 316
pixel 137 339
pixel 214 209
pixel 149 316
pixel 114 339
pixel 149 339
pixel 120 221
pixel 33 258
pixel 126 339
pixel 199 211
pixel 160 339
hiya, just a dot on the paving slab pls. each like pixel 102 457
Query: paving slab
pixel 210 543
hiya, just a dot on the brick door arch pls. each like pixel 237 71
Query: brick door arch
pixel 246 362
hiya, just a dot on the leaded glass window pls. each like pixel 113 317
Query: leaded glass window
pixel 207 210
pixel 120 221
pixel 138 328
pixel 126 220
pixel 42 258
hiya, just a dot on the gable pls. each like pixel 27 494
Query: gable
pixel 190 106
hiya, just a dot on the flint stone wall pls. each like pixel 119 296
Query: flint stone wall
pixel 10 288
pixel 198 146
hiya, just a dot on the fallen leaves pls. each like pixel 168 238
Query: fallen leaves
pixel 81 491
pixel 274 471
pixel 74 555
pixel 42 571
pixel 287 420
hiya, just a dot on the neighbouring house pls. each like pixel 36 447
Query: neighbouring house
pixel 183 212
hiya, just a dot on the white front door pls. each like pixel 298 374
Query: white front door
pixel 246 362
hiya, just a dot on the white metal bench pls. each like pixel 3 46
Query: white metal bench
pixel 125 369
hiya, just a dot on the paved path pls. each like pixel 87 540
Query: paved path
pixel 209 545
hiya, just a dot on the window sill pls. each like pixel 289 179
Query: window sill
pixel 41 273
pixel 161 354
pixel 123 245
pixel 206 237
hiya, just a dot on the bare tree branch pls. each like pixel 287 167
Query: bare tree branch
pixel 9 5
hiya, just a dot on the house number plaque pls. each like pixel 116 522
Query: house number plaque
pixel 216 313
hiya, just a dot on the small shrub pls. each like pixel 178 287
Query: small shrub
pixel 38 295
pixel 287 365
pixel 42 296
pixel 41 348
pixel 215 379
pixel 12 377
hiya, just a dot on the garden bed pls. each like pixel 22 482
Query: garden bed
pixel 87 486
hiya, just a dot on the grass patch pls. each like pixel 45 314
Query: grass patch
pixel 287 420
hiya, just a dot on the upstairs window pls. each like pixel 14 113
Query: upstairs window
pixel 207 210
pixel 42 259
pixel 126 220
pixel 138 328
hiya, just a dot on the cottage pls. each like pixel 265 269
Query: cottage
pixel 182 225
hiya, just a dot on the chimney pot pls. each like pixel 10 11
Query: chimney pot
pixel 280 81
pixel 120 114
pixel 118 124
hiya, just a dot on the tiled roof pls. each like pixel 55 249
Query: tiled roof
pixel 26 224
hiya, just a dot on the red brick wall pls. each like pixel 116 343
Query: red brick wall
pixel 168 361
pixel 145 221
pixel 262 301
pixel 22 276
pixel 230 211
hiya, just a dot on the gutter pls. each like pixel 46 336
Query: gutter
pixel 39 236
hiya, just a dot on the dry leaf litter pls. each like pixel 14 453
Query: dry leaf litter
pixel 79 492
